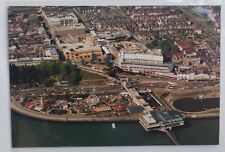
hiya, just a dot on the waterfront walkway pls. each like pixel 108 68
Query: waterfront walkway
pixel 70 118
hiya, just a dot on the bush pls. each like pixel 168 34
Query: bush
pixel 49 82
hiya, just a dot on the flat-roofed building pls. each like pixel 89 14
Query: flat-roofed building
pixel 52 53
pixel 134 109
pixel 161 120
pixel 62 23
pixel 86 51
pixel 141 62
pixel 75 29
pixel 63 20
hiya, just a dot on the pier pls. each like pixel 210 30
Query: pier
pixel 161 120
pixel 171 136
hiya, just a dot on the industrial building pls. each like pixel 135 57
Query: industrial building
pixel 141 62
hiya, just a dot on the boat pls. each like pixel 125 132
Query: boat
pixel 113 125
pixel 201 97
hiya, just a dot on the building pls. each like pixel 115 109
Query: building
pixel 161 120
pixel 106 52
pixel 63 23
pixel 102 109
pixel 134 109
pixel 141 62
pixel 92 100
pixel 76 29
pixel 185 46
pixel 49 55
pixel 85 51
pixel 193 76
pixel 62 20
pixel 52 53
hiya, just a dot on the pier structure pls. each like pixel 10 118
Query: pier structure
pixel 162 120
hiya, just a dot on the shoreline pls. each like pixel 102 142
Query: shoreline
pixel 68 118
pixel 71 118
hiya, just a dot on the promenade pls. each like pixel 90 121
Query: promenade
pixel 70 118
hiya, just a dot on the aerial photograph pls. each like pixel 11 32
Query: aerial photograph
pixel 114 75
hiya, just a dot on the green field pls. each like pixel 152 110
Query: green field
pixel 88 75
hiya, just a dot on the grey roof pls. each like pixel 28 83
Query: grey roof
pixel 167 116
pixel 134 109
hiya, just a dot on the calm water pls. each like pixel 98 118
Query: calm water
pixel 28 132
pixel 195 105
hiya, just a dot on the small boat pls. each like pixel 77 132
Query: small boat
pixel 113 125
pixel 201 97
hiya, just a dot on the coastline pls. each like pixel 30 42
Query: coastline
pixel 72 118
pixel 69 118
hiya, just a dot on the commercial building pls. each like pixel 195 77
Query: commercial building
pixel 63 23
pixel 141 62
pixel 161 120
pixel 85 51
pixel 62 20
pixel 76 29
pixel 49 55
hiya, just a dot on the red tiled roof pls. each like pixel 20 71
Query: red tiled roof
pixel 29 104
pixel 118 108
pixel 186 46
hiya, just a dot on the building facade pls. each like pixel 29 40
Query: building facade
pixel 141 62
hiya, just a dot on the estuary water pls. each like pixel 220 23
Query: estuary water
pixel 29 132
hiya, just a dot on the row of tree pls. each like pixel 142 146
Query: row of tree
pixel 47 72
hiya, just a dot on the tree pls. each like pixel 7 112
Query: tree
pixel 152 45
pixel 65 70
pixel 165 43
pixel 48 82
pixel 14 74
pixel 44 73
pixel 74 77
pixel 111 72
pixel 56 68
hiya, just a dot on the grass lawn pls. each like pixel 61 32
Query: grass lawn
pixel 88 75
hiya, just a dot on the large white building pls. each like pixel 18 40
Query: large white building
pixel 141 62
pixel 61 20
